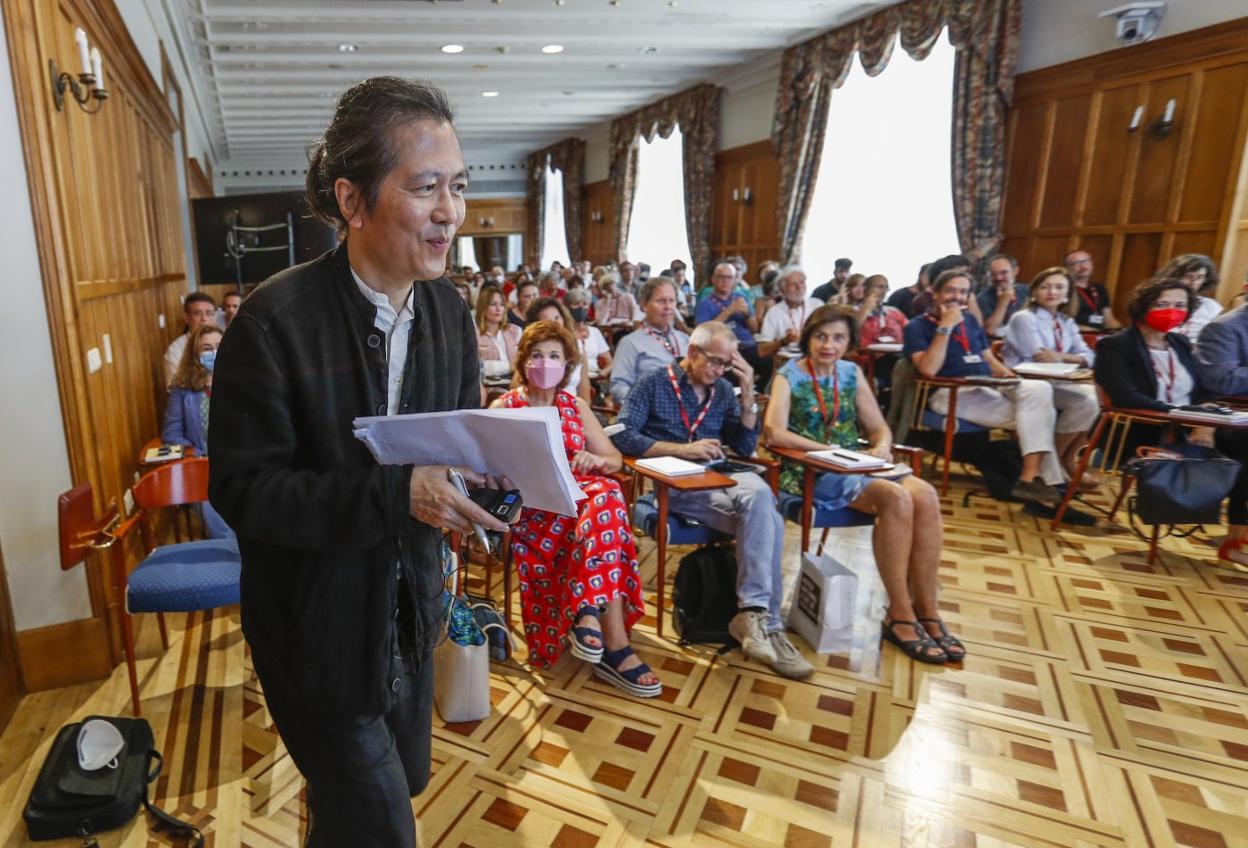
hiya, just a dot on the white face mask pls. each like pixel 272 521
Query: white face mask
pixel 99 743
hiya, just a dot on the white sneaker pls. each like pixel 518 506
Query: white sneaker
pixel 750 629
pixel 789 660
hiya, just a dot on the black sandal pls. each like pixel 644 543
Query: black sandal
pixel 580 648
pixel 916 649
pixel 946 641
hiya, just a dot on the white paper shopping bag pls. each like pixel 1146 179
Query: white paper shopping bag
pixel 823 605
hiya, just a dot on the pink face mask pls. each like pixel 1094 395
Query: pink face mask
pixel 545 373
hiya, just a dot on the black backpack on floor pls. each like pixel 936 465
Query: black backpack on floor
pixel 68 801
pixel 705 598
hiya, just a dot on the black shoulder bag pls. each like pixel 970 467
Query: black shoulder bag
pixel 1181 484
pixel 704 599
pixel 68 800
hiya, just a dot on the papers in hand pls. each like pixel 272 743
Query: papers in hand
pixel 670 466
pixel 845 458
pixel 1047 369
pixel 523 444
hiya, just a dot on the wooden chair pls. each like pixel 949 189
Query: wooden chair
pixel 653 517
pixel 801 508
pixel 925 419
pixel 182 577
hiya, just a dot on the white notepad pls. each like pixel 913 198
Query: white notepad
pixel 1047 369
pixel 670 466
pixel 846 458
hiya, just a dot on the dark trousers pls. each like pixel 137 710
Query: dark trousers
pixel 1234 443
pixel 362 771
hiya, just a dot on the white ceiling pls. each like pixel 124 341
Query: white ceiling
pixel 272 69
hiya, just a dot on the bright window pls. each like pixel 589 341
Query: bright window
pixel 884 194
pixel 656 233
pixel 554 236
pixel 468 253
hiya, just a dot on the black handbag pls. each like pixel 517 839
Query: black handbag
pixel 705 596
pixel 1183 484
pixel 68 800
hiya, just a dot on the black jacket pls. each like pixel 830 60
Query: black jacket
pixel 1124 370
pixel 320 524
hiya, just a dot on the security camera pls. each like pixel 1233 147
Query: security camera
pixel 1137 21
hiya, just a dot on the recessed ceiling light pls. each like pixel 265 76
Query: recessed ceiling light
pixel 452 48
pixel 347 48
pixel 553 48
pixel 489 94
pixel 648 50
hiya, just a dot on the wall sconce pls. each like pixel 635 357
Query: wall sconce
pixel 1136 117
pixel 90 82
pixel 1162 126
pixel 596 216
pixel 485 222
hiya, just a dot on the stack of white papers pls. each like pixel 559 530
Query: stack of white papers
pixel 670 466
pixel 525 445
pixel 1047 369
pixel 848 458
pixel 1208 416
pixel 886 347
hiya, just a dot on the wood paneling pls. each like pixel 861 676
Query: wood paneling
pixel 107 221
pixel 743 208
pixel 494 216
pixel 64 654
pixel 198 180
pixel 598 222
pixel 1078 176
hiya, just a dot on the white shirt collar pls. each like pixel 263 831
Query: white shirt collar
pixel 385 312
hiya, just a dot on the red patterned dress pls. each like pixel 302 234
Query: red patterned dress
pixel 568 562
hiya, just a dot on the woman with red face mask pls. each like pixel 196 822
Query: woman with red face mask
pixel 1149 365
pixel 578 574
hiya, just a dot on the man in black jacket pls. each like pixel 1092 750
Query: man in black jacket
pixel 342 579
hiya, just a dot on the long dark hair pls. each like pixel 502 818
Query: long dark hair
pixel 358 143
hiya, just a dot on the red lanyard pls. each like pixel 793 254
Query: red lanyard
pixel 1168 386
pixel 1094 303
pixel 959 333
pixel 672 347
pixel 1057 335
pixel 680 404
pixel 828 420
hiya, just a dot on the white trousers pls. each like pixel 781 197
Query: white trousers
pixel 1077 406
pixel 1026 408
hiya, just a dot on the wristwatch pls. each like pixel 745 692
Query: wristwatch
pixel 945 331
pixel 753 410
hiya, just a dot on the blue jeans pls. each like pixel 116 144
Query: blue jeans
pixel 748 512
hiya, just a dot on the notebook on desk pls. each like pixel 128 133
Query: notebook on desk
pixel 1047 369
pixel 670 466
pixel 163 453
pixel 849 459
pixel 1236 418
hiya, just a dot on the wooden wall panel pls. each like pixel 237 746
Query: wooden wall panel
pixel 494 216
pixel 1110 155
pixel 1029 135
pixel 1065 157
pixel 598 236
pixel 106 212
pixel 744 204
pixel 1078 176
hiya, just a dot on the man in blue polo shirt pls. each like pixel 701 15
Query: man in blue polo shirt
pixel 728 306
pixel 947 341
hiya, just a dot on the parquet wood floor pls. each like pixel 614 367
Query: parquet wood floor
pixel 1104 703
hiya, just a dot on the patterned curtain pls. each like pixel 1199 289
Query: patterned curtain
pixel 985 34
pixel 568 157
pixel 696 112
pixel 536 202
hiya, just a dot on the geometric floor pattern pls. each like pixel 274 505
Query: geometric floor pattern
pixel 1104 702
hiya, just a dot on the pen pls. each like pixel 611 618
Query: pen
pixel 457 480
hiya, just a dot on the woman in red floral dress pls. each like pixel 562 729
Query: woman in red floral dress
pixel 578 574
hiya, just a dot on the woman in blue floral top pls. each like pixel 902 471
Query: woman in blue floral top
pixel 819 400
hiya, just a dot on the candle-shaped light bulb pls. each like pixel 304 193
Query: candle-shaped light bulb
pixel 1168 117
pixel 97 67
pixel 84 60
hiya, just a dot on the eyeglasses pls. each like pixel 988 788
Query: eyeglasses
pixel 716 362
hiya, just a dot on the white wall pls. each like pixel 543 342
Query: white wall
pixel 34 462
pixel 1056 31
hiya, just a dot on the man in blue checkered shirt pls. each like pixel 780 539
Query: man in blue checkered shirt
pixel 688 410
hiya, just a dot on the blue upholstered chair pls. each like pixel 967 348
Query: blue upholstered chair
pixel 950 424
pixel 182 577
